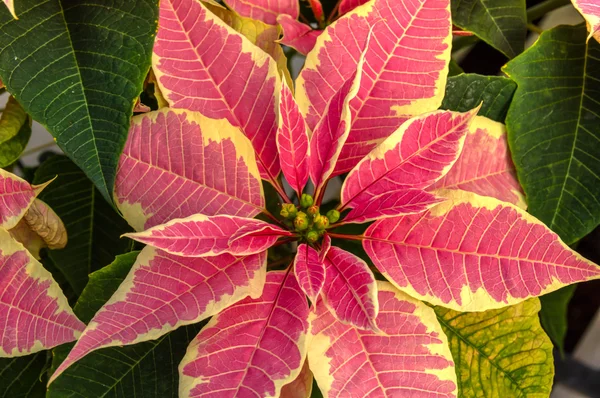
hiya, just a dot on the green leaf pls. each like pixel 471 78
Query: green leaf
pixel 23 377
pixel 144 370
pixel 454 68
pixel 500 23
pixel 500 353
pixel 554 130
pixel 554 314
pixel 93 227
pixel 465 92
pixel 77 68
pixel 15 130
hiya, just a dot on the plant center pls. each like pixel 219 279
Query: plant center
pixel 307 220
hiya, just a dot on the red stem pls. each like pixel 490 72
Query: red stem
pixel 280 191
pixel 344 236
pixel 334 12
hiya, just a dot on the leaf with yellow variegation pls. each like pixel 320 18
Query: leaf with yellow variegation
pixel 500 353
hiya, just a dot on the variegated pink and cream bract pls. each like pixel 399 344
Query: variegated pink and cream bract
pixel 189 182
pixel 33 310
pixel 590 9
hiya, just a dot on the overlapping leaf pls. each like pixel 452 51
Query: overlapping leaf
pixel 590 10
pixel 93 226
pixel 204 65
pixel 331 133
pixel 162 292
pixel 147 370
pixel 500 23
pixel 297 35
pixel 203 236
pixel 554 137
pixel 500 353
pixel 467 91
pixel 292 141
pixel 265 10
pixel 310 271
pixel 11 7
pixel 553 315
pixel 414 157
pixel 178 163
pixel 485 166
pixel 85 98
pixel 473 253
pixel 301 387
pixel 405 69
pixel 15 130
pixel 409 355
pixel 33 309
pixel 266 337
pixel 16 195
pixel 350 290
pixel 23 376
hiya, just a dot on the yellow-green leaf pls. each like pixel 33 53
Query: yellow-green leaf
pixel 15 130
pixel 500 353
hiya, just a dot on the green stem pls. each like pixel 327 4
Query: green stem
pixel 535 29
pixel 541 9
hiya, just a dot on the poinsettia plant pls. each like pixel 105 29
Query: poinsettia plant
pixel 370 228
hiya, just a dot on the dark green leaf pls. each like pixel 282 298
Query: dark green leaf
pixel 144 370
pixel 554 314
pixel 454 68
pixel 499 353
pixel 77 68
pixel 554 130
pixel 15 130
pixel 500 23
pixel 93 227
pixel 465 92
pixel 23 377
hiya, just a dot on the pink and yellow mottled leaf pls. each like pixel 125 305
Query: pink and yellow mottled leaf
pixel 330 134
pixel 405 69
pixel 348 5
pixel 310 271
pixel 301 387
pixel 473 253
pixel 292 141
pixel 259 33
pixel 590 9
pixel 395 202
pixel 265 10
pixel 162 292
pixel 485 166
pixel 205 236
pixel 350 290
pixel 16 195
pixel 204 65
pixel 252 348
pixel 11 7
pixel 34 312
pixel 419 153
pixel 407 357
pixel 178 163
pixel 297 35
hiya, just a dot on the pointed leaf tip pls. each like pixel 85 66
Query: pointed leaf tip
pixel 473 253
pixel 168 291
pixel 405 81
pixel 35 312
pixel 205 236
pixel 392 176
